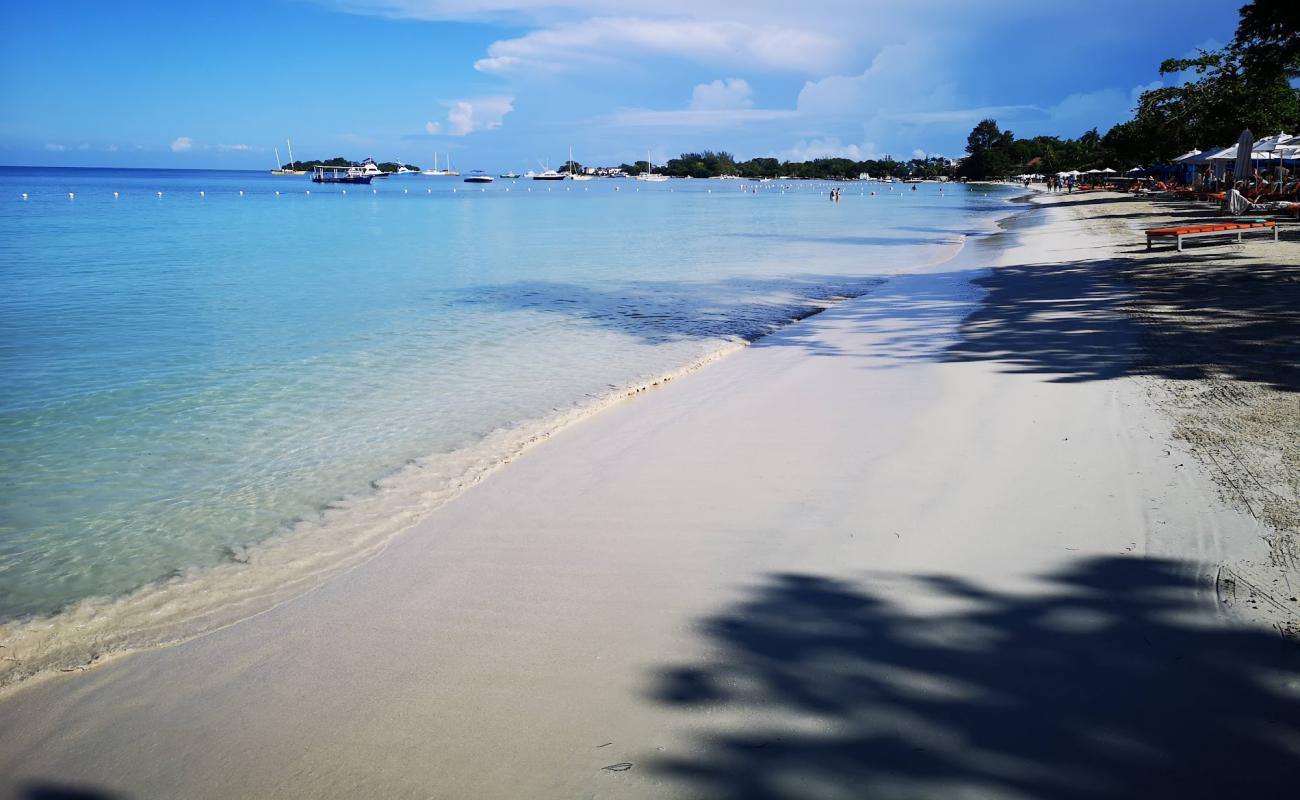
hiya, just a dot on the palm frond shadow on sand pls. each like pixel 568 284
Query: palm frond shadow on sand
pixel 1100 686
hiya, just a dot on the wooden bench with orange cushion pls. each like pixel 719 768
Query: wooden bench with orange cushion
pixel 1213 229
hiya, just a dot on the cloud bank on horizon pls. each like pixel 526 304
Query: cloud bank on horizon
pixel 506 79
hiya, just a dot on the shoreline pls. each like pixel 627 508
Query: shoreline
pixel 96 631
pixel 934 541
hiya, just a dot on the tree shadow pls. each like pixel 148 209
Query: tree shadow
pixel 59 791
pixel 1175 315
pixel 1106 683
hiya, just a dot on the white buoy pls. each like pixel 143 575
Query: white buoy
pixel 428 191
pixel 374 191
pixel 24 195
pixel 345 191
pixel 507 188
pixel 309 191
pixel 404 191
pixel 453 191
pixel 72 195
pixel 482 190
pixel 114 195
pixel 277 192
pixel 201 194
pixel 241 192
pixel 160 194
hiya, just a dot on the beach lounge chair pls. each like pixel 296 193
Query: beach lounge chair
pixel 1191 231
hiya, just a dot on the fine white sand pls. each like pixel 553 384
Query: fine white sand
pixel 880 553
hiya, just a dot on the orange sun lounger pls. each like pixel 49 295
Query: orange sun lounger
pixel 1208 230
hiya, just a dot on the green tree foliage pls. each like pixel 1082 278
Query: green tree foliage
pixel 1248 84
pixel 990 152
pixel 1268 37
pixel 340 161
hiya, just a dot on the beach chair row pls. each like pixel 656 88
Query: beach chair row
pixel 1192 231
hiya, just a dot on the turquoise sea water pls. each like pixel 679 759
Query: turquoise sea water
pixel 186 375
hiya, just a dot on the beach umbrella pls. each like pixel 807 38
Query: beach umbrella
pixel 1188 156
pixel 1108 171
pixel 1241 169
pixel 1135 170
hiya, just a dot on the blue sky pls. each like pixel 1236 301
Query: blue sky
pixel 503 83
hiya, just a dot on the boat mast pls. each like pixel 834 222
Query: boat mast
pixel 277 159
pixel 286 141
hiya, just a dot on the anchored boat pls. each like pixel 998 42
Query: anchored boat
pixel 340 175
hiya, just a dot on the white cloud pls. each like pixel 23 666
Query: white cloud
pixel 475 114
pixel 830 147
pixel 55 148
pixel 693 119
pixel 181 144
pixel 233 148
pixel 601 41
pixel 432 128
pixel 720 94
pixel 918 153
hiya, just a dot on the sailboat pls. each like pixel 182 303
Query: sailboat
pixel 279 170
pixel 576 176
pixel 650 175
pixel 436 171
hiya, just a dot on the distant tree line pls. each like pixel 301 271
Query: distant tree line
pixel 1251 83
pixel 340 161
pixel 711 164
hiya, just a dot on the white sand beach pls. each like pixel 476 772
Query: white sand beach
pixel 937 541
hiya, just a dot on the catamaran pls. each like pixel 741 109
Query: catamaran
pixel 279 170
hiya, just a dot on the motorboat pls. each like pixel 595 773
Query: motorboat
pixel 340 175
pixel 478 176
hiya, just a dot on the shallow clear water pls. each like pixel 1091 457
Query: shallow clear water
pixel 185 375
